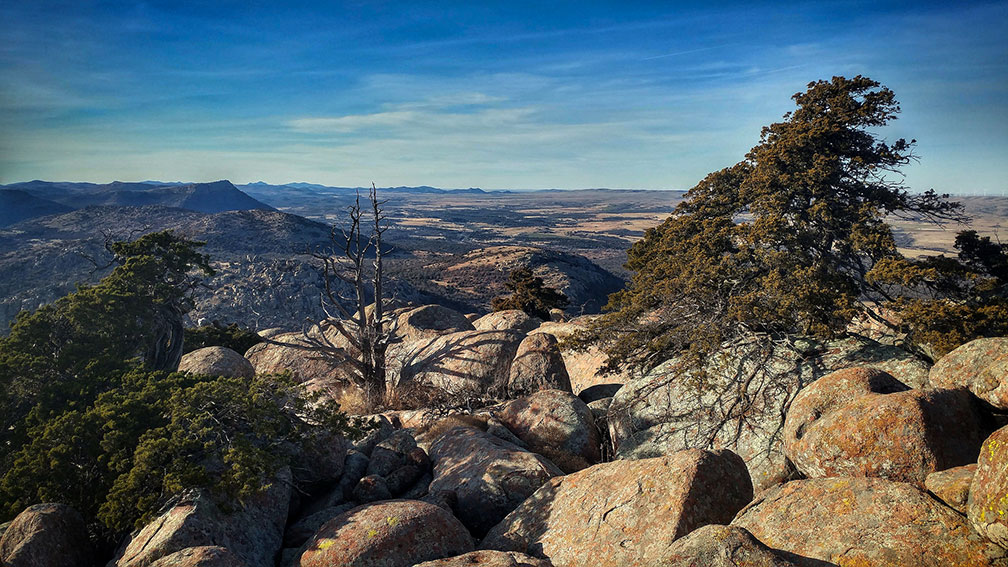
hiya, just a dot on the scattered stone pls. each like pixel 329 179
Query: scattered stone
pixel 355 466
pixel 583 367
pixel 980 366
pixel 489 558
pixel 718 545
pixel 625 512
pixel 398 533
pixel 217 361
pixel 46 535
pixel 538 365
pixel 391 453
pixel 952 486
pixel 490 476
pixel 204 556
pixel 402 479
pixel 555 424
pixel 372 488
pixel 988 497
pixel 507 320
pixel 865 521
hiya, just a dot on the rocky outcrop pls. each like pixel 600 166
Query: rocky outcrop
pixel 457 366
pixel 217 361
pixel 507 320
pixel 489 476
pixel 397 533
pixel 952 486
pixel 981 366
pixel 429 322
pixel 253 533
pixel 718 545
pixel 865 521
pixel 671 409
pixel 857 422
pixel 583 367
pixel 206 556
pixel 46 535
pixel 488 558
pixel 538 365
pixel 625 512
pixel 555 424
pixel 988 498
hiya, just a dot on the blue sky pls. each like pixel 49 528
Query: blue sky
pixel 489 94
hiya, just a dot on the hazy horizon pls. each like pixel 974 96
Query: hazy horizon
pixel 489 95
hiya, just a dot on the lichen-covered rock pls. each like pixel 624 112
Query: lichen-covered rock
pixel 717 545
pixel 305 528
pixel 430 321
pixel 952 486
pixel 865 521
pixel 669 410
pixel 988 497
pixel 204 556
pixel 555 424
pixel 507 320
pixel 46 535
pixel 253 533
pixel 391 453
pixel 286 353
pixel 538 365
pixel 981 366
pixel 488 558
pixel 901 436
pixel 625 512
pixel 217 361
pixel 489 476
pixel 452 367
pixel 372 488
pixel 397 533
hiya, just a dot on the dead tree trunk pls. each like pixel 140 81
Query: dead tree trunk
pixel 362 329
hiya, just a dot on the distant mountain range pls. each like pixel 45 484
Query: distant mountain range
pixel 31 199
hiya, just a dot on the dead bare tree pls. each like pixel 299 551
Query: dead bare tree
pixel 357 330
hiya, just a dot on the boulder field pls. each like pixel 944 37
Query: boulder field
pixel 859 455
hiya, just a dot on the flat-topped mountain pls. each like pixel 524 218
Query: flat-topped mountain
pixel 212 197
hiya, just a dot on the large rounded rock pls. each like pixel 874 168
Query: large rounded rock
pixel 253 532
pixel 489 476
pixel 988 497
pixel 429 322
pixel 397 533
pixel 206 556
pixel 217 361
pixel 865 521
pixel 901 436
pixel 538 365
pixel 555 424
pixel 584 367
pixel 952 486
pixel 718 545
pixel 488 558
pixel 981 366
pixel 625 512
pixel 46 535
pixel 453 367
pixel 507 320
pixel 671 408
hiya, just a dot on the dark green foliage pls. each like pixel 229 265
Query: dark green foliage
pixel 950 301
pixel 90 418
pixel 529 294
pixel 778 244
pixel 232 337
